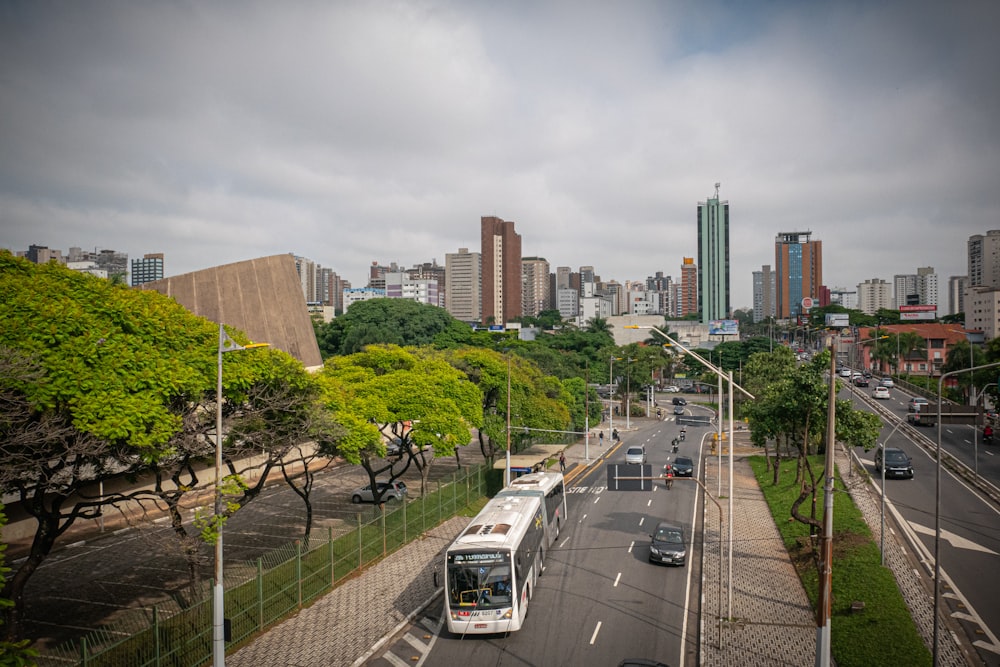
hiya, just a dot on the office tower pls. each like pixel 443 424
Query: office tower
pixel 688 301
pixel 798 268
pixel 463 285
pixel 562 277
pixel 763 293
pixel 874 294
pixel 40 254
pixel 501 257
pixel 147 269
pixel 984 259
pixel 713 259
pixel 306 269
pixel 956 294
pixel 535 295
pixel 329 288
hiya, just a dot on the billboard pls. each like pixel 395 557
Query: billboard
pixel 918 312
pixel 723 328
pixel 837 320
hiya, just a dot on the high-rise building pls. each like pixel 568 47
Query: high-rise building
pixel 463 285
pixel 147 269
pixel 956 294
pixel 798 268
pixel 330 288
pixel 535 295
pixel 920 288
pixel 688 301
pixel 984 259
pixel 713 259
pixel 306 268
pixel 501 256
pixel 874 294
pixel 399 285
pixel 432 271
pixel 763 293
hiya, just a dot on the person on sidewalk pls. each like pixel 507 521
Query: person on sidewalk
pixel 600 436
pixel 562 461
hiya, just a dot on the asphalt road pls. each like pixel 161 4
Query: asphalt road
pixel 970 522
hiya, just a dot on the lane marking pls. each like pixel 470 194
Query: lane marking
pixel 630 547
pixel 596 499
pixel 617 579
pixel 582 518
pixel 641 520
pixel 593 637
pixel 564 543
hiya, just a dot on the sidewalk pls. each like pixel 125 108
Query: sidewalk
pixel 774 623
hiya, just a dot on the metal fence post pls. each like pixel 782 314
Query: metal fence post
pixel 405 531
pixel 384 548
pixel 440 509
pixel 260 594
pixel 298 569
pixel 156 634
pixel 333 567
pixel 360 546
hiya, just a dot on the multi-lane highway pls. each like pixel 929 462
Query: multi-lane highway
pixel 600 600
pixel 969 546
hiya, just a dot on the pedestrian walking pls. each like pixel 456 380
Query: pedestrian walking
pixel 600 436
pixel 562 461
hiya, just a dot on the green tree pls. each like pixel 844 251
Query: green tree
pixel 410 394
pixel 12 653
pixel 391 321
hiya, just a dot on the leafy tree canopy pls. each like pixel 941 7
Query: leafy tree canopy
pixel 394 322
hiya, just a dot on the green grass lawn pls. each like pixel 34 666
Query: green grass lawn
pixel 884 632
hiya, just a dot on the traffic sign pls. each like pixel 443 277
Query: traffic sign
pixel 807 302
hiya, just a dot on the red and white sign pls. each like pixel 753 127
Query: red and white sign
pixel 807 302
pixel 919 312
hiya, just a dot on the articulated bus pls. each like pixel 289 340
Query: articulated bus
pixel 492 567
pixel 551 488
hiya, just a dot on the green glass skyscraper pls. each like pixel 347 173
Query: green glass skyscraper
pixel 713 259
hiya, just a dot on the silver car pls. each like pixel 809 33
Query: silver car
pixel 390 491
pixel 635 454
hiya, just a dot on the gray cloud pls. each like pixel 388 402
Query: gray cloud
pixel 352 132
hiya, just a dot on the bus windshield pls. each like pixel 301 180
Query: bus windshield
pixel 479 585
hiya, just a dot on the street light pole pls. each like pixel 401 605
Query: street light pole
pixel 226 344
pixel 506 481
pixel 628 392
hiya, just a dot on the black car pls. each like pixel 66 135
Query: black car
pixel 897 463
pixel 683 466
pixel 667 544
pixel 860 381
pixel 678 409
pixel 678 400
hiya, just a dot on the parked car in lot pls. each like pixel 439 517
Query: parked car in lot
pixel 390 491
pixel 897 463
pixel 887 382
pixel 667 544
pixel 881 392
pixel 672 389
pixel 917 404
pixel 683 466
pixel 679 400
pixel 635 454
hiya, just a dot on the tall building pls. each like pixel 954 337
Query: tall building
pixel 874 294
pixel 713 259
pixel 501 256
pixel 432 271
pixel 984 259
pixel 763 293
pixel 330 288
pixel 306 269
pixel 147 269
pixel 798 268
pixel 535 295
pixel 688 301
pixel 956 294
pixel 463 285
pixel 399 285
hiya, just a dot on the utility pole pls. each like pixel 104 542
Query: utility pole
pixel 823 606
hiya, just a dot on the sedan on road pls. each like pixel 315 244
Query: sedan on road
pixel 635 455
pixel 897 463
pixel 887 382
pixel 881 392
pixel 667 545
pixel 917 404
pixel 394 491
pixel 683 466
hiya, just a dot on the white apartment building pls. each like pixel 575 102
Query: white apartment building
pixel 534 285
pixel 982 310
pixel 873 295
pixel 464 285
pixel 399 285
pixel 355 294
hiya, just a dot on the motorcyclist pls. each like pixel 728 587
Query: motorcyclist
pixel 988 433
pixel 675 443
pixel 668 472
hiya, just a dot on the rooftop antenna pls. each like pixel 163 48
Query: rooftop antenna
pixel 717 185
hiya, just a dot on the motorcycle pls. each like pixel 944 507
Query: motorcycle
pixel 675 444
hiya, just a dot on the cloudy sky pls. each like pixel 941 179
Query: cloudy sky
pixel 359 131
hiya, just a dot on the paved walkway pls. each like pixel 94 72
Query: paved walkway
pixel 774 624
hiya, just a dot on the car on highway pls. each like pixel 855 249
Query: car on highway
pixel 683 466
pixel 881 392
pixel 667 544
pixel 897 463
pixel 860 380
pixel 887 382
pixel 636 454
pixel 845 372
pixel 390 491
pixel 917 404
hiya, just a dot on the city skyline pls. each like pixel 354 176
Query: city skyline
pixel 368 132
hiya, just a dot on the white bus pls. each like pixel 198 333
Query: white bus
pixel 492 567
pixel 551 488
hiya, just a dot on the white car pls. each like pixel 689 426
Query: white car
pixel 845 372
pixel 672 389
pixel 887 382
pixel 394 491
pixel 635 454
pixel 881 392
